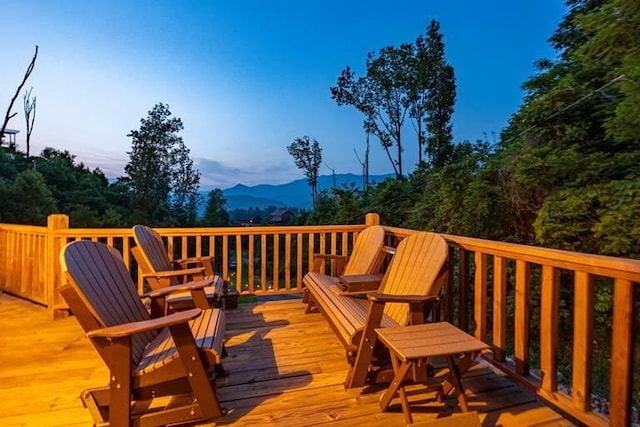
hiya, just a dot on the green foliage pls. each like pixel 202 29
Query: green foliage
pixel 162 183
pixel 215 214
pixel 308 157
pixel 30 200
pixel 325 209
pixel 409 80
pixel 598 218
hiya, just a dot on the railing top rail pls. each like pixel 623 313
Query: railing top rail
pixel 23 228
pixel 219 231
pixel 608 266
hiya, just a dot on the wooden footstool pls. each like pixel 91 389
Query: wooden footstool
pixel 412 344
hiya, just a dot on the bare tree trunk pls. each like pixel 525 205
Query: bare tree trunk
pixel 9 116
pixel 366 164
pixel 29 116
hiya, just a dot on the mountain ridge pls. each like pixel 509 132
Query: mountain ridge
pixel 295 194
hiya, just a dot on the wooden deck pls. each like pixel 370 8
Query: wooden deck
pixel 285 368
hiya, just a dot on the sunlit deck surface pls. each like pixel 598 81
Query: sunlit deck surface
pixel 285 368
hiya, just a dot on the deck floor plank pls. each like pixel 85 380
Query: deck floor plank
pixel 286 368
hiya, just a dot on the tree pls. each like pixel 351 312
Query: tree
pixel 414 80
pixel 8 116
pixel 33 209
pixel 186 179
pixel 382 95
pixel 308 157
pixel 160 174
pixel 29 116
pixel 215 214
pixel 614 44
pixel 440 99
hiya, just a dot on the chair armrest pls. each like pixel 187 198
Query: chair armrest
pixel 407 299
pixel 194 260
pixel 329 256
pixel 319 259
pixel 177 288
pixel 360 282
pixel 174 273
pixel 202 261
pixel 133 328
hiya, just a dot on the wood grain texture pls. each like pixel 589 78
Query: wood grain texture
pixel 286 368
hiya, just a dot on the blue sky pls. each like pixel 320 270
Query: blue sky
pixel 247 77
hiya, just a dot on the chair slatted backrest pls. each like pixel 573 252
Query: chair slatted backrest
pixel 366 256
pixel 414 270
pixel 99 276
pixel 153 250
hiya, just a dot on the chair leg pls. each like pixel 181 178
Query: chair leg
pixel 203 389
pixel 120 382
pixel 358 371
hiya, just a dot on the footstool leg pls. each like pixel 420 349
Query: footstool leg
pixel 401 372
pixel 455 379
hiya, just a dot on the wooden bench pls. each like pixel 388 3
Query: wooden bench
pixel 409 288
pixel 366 257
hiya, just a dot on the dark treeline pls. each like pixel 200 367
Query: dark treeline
pixel 159 187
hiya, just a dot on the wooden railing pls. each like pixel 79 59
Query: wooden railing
pixel 497 272
pixel 491 293
pixel 256 260
pixel 23 251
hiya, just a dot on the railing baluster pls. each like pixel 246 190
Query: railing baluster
pixel 582 341
pixel 263 260
pixel 345 243
pixel 523 281
pixel 499 307
pixel 321 249
pixel 287 261
pixel 251 262
pixel 549 307
pixel 463 290
pixel 276 261
pixel 480 295
pixel 225 261
pixel 310 248
pixel 334 248
pixel 212 247
pixel 448 292
pixel 170 247
pixel 299 239
pixel 239 262
pixel 622 352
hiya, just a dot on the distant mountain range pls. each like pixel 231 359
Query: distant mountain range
pixel 293 194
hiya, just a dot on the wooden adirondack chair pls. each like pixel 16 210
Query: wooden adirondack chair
pixel 160 272
pixel 366 258
pixel 409 289
pixel 170 357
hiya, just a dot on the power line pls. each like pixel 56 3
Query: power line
pixel 568 107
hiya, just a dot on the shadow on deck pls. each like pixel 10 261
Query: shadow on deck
pixel 285 368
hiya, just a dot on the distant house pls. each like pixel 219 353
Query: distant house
pixel 10 134
pixel 250 222
pixel 280 217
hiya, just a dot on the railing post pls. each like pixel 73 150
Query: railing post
pixel 624 303
pixel 53 276
pixel 372 219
